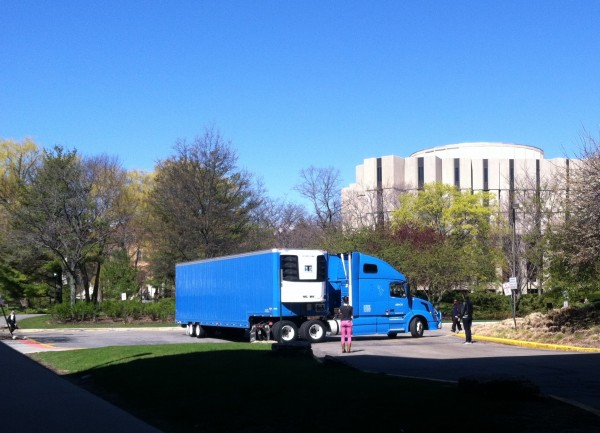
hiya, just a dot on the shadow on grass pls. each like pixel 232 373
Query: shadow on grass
pixel 262 391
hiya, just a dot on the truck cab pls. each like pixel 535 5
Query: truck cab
pixel 382 300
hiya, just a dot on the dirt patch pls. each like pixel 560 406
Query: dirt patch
pixel 578 327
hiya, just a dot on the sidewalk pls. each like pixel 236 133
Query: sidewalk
pixel 38 400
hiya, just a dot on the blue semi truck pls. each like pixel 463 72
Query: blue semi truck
pixel 294 294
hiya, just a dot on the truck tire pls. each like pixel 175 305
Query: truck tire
pixel 417 327
pixel 199 331
pixel 285 331
pixel 313 331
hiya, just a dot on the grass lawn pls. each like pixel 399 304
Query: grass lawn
pixel 43 322
pixel 242 387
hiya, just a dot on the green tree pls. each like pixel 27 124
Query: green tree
pixel 111 210
pixel 69 210
pixel 136 238
pixel 54 213
pixel 24 271
pixel 118 276
pixel 202 204
pixel 445 239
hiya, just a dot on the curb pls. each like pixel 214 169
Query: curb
pixel 141 328
pixel 533 344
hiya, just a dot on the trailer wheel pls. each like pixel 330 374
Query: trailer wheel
pixel 417 327
pixel 189 330
pixel 199 331
pixel 313 331
pixel 285 331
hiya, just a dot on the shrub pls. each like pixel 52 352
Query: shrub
pixel 85 311
pixel 78 312
pixel 113 309
pixel 132 310
pixel 119 311
pixel 532 303
pixel 163 310
pixel 490 306
pixel 61 312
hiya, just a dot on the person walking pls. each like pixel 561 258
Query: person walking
pixel 346 312
pixel 11 321
pixel 466 315
pixel 456 307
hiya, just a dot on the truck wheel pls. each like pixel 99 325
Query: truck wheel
pixel 275 330
pixel 392 335
pixel 417 327
pixel 313 331
pixel 199 331
pixel 285 331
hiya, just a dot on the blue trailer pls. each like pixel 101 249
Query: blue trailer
pixel 295 294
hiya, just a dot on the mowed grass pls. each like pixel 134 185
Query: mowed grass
pixel 242 387
pixel 45 322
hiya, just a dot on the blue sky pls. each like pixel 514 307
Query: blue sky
pixel 298 83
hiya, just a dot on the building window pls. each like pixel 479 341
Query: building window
pixel 421 173
pixel 537 178
pixel 379 193
pixel 486 186
pixel 511 174
pixel 511 184
pixel 457 173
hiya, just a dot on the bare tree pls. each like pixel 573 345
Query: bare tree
pixel 321 186
pixel 287 225
pixel 583 199
pixel 537 211
pixel 575 264
pixel 369 208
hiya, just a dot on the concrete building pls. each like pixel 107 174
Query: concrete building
pixel 525 184
pixel 506 170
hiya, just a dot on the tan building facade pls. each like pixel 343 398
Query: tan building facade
pixel 504 169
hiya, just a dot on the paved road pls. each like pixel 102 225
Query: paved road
pixel 69 339
pixel 572 376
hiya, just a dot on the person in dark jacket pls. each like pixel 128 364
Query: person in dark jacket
pixel 11 321
pixel 346 312
pixel 456 307
pixel 466 315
